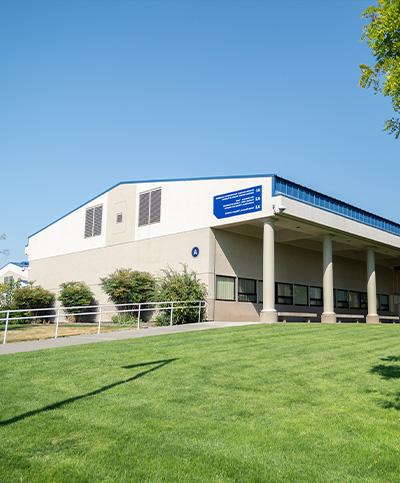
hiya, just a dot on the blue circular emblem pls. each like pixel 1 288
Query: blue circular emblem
pixel 195 251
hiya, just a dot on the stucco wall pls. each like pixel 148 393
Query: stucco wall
pixel 150 255
pixel 121 200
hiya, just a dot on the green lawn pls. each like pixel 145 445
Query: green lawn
pixel 285 402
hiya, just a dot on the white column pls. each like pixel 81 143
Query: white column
pixel 328 315
pixel 372 317
pixel 268 313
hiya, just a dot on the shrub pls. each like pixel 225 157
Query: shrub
pixel 126 286
pixel 183 286
pixel 124 318
pixel 33 297
pixel 75 294
pixel 162 318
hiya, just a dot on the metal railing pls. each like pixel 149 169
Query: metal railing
pixel 138 310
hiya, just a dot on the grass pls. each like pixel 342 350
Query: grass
pixel 258 403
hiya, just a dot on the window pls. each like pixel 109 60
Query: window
pixel 93 220
pixel 260 291
pixel 284 293
pixel 118 218
pixel 150 207
pixel 315 296
pixel 300 295
pixel 364 300
pixel 225 288
pixel 355 300
pixel 247 290
pixel 384 303
pixel 341 299
pixel 9 279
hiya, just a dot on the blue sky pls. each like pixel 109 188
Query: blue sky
pixel 95 92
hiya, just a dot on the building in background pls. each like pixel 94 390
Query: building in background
pixel 13 271
pixel 261 244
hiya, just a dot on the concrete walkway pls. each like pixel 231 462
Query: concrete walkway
pixel 35 345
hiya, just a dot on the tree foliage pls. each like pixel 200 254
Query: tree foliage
pixel 181 286
pixel 382 34
pixel 33 297
pixel 75 294
pixel 7 292
pixel 126 286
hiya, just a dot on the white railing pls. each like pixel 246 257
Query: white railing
pixel 136 309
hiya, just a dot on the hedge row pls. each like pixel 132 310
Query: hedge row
pixel 124 286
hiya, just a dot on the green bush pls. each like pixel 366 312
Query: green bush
pixel 182 286
pixel 124 318
pixel 162 318
pixel 32 297
pixel 75 294
pixel 126 286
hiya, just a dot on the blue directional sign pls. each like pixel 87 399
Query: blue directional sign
pixel 238 202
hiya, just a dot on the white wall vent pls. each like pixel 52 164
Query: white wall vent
pixel 150 207
pixel 93 221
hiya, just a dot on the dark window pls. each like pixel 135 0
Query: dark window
pixel 384 303
pixel 247 290
pixel 315 296
pixel 284 293
pixel 341 299
pixel 260 291
pixel 364 300
pixel 300 295
pixel 9 279
pixel 225 288
pixel 149 207
pixel 119 218
pixel 93 221
pixel 355 300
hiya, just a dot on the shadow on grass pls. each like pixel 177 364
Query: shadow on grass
pixel 59 404
pixel 391 359
pixel 386 372
pixel 393 404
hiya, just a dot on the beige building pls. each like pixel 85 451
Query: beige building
pixel 13 271
pixel 262 244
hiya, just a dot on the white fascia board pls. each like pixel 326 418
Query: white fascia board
pixel 336 222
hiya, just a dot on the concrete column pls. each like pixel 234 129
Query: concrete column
pixel 372 317
pixel 268 313
pixel 328 315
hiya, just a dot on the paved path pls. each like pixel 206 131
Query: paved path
pixel 35 345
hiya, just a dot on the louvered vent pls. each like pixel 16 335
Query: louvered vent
pixel 98 216
pixel 155 206
pixel 89 222
pixel 150 207
pixel 93 221
pixel 144 206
